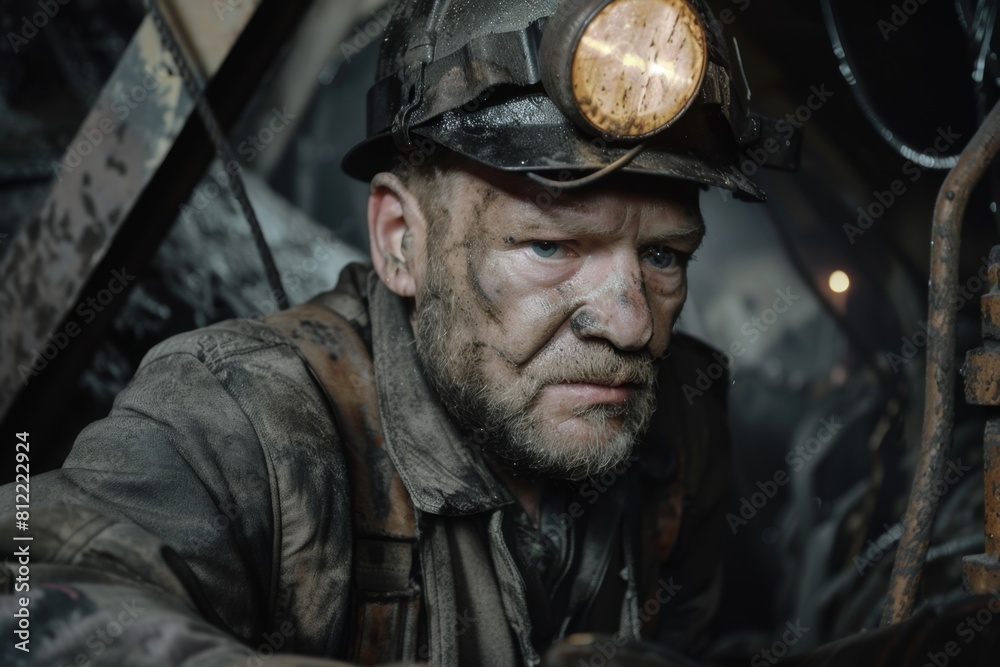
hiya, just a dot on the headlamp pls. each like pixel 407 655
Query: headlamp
pixel 623 69
pixel 652 79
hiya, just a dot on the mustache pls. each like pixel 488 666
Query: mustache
pixel 604 365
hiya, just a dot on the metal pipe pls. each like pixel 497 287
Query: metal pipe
pixel 939 404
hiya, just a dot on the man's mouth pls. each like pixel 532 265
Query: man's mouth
pixel 593 391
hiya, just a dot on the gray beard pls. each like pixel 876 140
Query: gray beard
pixel 504 417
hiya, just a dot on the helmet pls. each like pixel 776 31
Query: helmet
pixel 570 87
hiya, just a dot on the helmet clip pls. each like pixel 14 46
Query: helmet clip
pixel 418 56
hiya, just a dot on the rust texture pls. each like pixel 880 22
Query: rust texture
pixel 939 404
pixel 982 387
pixel 991 309
pixel 982 376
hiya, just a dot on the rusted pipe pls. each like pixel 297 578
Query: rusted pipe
pixel 939 402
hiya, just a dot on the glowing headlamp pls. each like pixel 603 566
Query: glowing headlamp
pixel 624 69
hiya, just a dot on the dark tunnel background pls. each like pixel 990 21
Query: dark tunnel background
pixel 826 394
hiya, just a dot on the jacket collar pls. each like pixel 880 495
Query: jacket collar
pixel 442 470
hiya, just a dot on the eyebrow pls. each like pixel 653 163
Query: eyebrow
pixel 574 225
pixel 693 235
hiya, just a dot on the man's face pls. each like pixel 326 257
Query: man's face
pixel 540 318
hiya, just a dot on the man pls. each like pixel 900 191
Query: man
pixel 438 459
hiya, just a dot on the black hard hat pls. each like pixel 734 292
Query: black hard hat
pixel 492 80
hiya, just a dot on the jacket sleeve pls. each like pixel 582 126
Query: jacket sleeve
pixel 205 521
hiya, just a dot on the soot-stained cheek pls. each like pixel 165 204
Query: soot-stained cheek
pixel 551 305
pixel 484 283
pixel 487 281
pixel 488 295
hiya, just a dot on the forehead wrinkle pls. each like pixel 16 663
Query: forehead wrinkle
pixel 598 213
pixel 571 223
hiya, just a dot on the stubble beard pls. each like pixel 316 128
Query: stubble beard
pixel 506 413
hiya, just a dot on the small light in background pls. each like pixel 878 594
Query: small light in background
pixel 839 282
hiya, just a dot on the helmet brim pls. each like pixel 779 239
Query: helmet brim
pixel 528 133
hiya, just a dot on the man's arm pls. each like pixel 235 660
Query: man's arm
pixel 210 508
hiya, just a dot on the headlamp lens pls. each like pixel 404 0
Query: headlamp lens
pixel 637 66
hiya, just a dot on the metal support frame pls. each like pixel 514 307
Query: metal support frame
pixel 135 159
pixel 939 404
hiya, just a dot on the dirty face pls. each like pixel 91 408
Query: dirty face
pixel 540 319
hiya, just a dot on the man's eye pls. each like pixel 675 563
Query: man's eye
pixel 662 257
pixel 544 248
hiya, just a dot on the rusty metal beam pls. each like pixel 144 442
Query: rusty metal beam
pixel 939 404
pixel 134 160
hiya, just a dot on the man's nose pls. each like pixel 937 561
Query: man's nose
pixel 615 307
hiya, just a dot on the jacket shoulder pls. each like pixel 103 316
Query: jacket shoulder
pixel 225 427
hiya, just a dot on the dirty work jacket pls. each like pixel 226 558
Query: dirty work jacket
pixel 206 520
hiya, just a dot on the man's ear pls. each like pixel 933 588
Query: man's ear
pixel 396 229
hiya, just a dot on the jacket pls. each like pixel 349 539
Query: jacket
pixel 206 520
